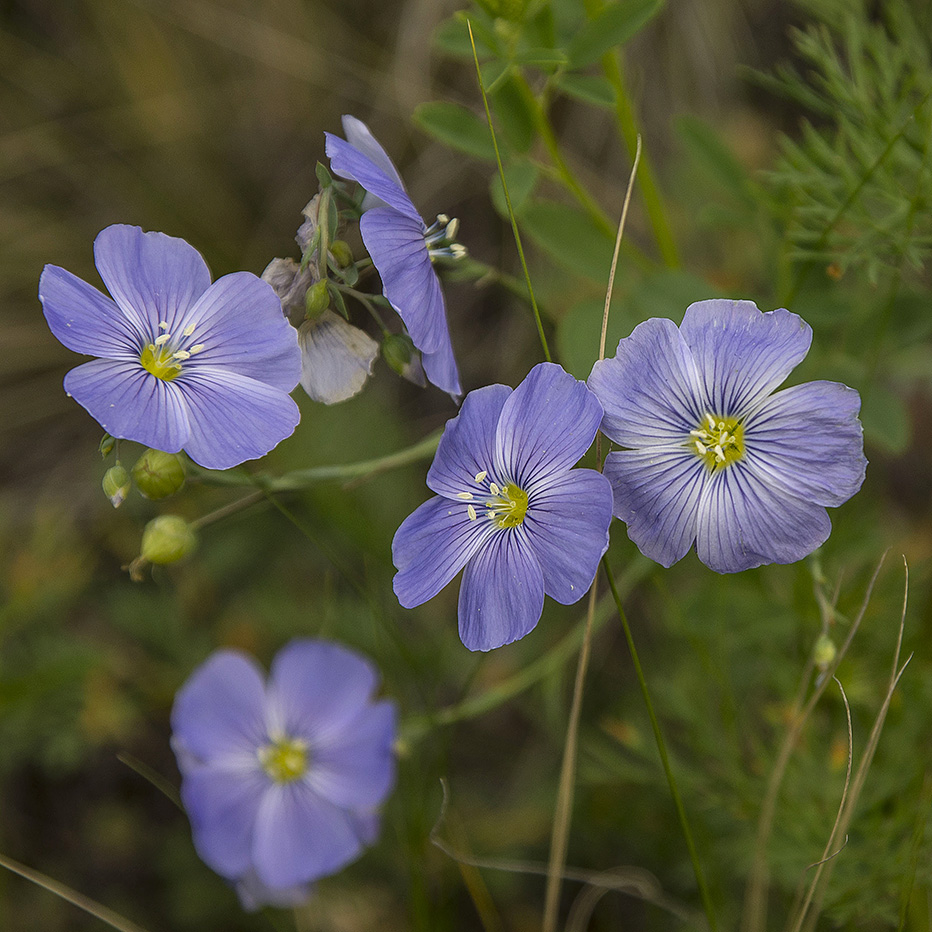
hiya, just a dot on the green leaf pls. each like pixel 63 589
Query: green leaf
pixel 589 88
pixel 514 115
pixel 520 178
pixel 570 237
pixel 706 147
pixel 886 420
pixel 456 127
pixel 613 26
pixel 546 59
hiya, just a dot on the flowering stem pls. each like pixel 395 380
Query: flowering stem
pixel 511 213
pixel 366 301
pixel 664 758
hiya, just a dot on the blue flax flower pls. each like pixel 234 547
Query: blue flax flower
pixel 510 508
pixel 183 363
pixel 401 246
pixel 714 458
pixel 281 779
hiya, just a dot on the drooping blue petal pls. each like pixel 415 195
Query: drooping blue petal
pixel 360 137
pixel 546 425
pixel 442 370
pixel 233 418
pixel 130 403
pixel 567 528
pixel 356 768
pixel 657 492
pixel 743 522
pixel 239 323
pixel 316 688
pixel 253 894
pixel 502 593
pixel 808 441
pixel 154 278
pixel 85 320
pixel 396 245
pixel 348 162
pixel 336 358
pixel 432 545
pixel 467 447
pixel 300 836
pixel 742 354
pixel 223 805
pixel 220 710
pixel 650 389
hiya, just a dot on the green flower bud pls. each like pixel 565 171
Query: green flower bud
pixel 116 485
pixel 167 539
pixel 398 351
pixel 157 474
pixel 341 252
pixel 107 443
pixel 824 651
pixel 316 300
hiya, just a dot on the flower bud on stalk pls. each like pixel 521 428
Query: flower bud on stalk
pixel 116 485
pixel 158 474
pixel 167 539
pixel 316 300
pixel 398 351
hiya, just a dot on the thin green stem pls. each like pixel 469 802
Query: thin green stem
pixel 366 301
pixel 511 213
pixel 662 749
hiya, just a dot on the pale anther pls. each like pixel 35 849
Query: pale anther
pixel 494 489
pixel 481 475
pixel 702 449
pixel 465 496
pixel 471 512
pixel 182 355
pixel 197 348
pixel 163 325
pixel 162 339
pixel 719 454
pixel 188 330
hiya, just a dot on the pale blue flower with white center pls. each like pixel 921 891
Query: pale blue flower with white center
pixel 402 247
pixel 509 508
pixel 183 363
pixel 712 456
pixel 282 779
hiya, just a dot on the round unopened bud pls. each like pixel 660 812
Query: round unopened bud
pixel 158 474
pixel 167 539
pixel 316 300
pixel 116 485
pixel 824 651
pixel 398 351
pixel 107 443
pixel 341 252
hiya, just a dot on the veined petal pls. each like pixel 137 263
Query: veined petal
pixel 85 320
pixel 650 389
pixel 467 447
pixel 130 403
pixel 743 522
pixel 239 324
pixel 220 710
pixel 502 592
pixel 300 836
pixel 432 545
pixel 233 418
pixel 154 278
pixel 348 162
pixel 336 358
pixel 742 354
pixel 546 425
pixel 657 493
pixel 360 137
pixel 567 527
pixel 222 806
pixel 357 769
pixel 316 688
pixel 396 245
pixel 808 440
pixel 441 368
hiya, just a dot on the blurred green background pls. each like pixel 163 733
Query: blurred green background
pixel 781 174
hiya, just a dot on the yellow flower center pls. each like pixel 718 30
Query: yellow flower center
pixel 162 358
pixel 506 506
pixel 285 759
pixel 718 441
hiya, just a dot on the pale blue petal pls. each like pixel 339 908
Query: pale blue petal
pixel 233 418
pixel 396 245
pixel 356 769
pixel 253 894
pixel 441 368
pixel 743 522
pixel 657 493
pixel 348 162
pixel 808 441
pixel 85 320
pixel 567 528
pixel 336 358
pixel 432 545
pixel 502 593
pixel 154 278
pixel 220 710
pixel 130 403
pixel 467 447
pixel 300 836
pixel 650 389
pixel 360 137
pixel 316 688
pixel 742 354
pixel 546 425
pixel 239 324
